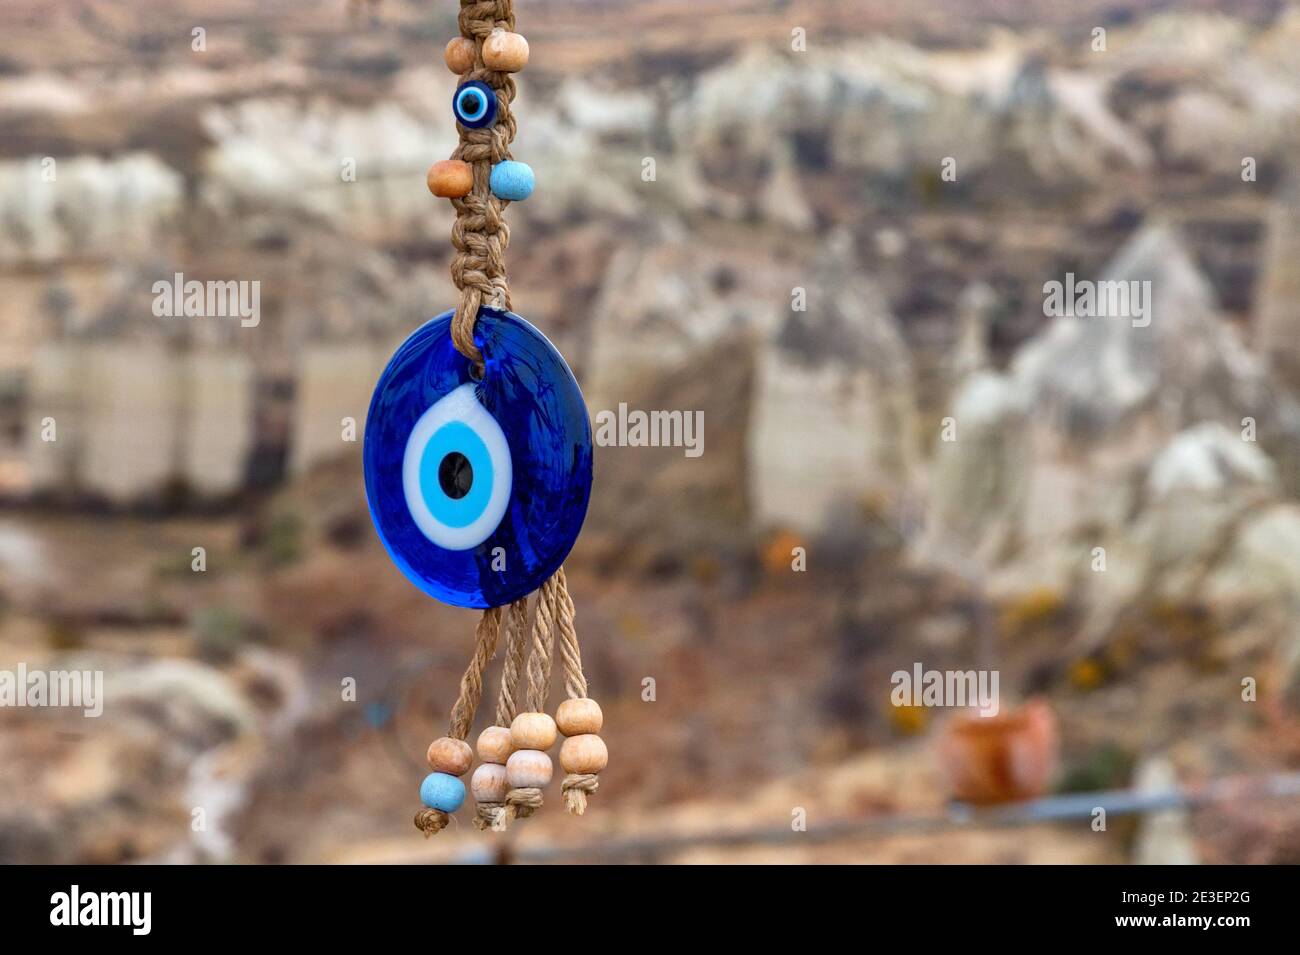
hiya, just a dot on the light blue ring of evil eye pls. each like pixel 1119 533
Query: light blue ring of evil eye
pixel 456 436
pixel 457 423
pixel 474 104
pixel 443 792
pixel 512 181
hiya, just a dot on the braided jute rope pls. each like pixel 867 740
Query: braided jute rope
pixel 512 672
pixel 492 815
pixel 575 684
pixel 480 236
pixel 427 820
pixel 522 803
pixel 577 786
pixel 480 233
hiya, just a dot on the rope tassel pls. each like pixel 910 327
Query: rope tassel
pixel 490 784
pixel 532 732
pixel 515 766
pixel 583 754
pixel 450 757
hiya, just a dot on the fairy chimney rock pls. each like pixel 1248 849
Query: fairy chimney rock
pixel 833 417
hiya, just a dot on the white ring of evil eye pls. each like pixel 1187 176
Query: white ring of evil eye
pixel 457 422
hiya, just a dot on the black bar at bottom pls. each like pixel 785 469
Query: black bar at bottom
pixel 441 904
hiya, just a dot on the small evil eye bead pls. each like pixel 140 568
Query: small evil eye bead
pixel 511 181
pixel 475 105
pixel 442 792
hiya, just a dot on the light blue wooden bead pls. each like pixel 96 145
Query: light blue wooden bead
pixel 441 791
pixel 512 180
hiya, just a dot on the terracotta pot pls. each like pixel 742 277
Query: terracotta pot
pixel 1000 758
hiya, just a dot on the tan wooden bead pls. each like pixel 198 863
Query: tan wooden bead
pixel 489 783
pixel 452 756
pixel 494 745
pixel 584 754
pixel 459 55
pixel 451 178
pixel 505 51
pixel 575 717
pixel 533 731
pixel 528 769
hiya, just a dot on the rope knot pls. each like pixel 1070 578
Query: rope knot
pixel 430 821
pixel 490 815
pixel 522 803
pixel 577 787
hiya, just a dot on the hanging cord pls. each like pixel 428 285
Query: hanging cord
pixel 575 684
pixel 522 803
pixel 480 237
pixel 539 658
pixel 516 648
pixel 577 786
pixel 428 820
pixel 492 815
pixel 480 234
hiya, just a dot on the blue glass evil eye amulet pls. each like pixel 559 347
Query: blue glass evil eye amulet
pixel 475 105
pixel 478 488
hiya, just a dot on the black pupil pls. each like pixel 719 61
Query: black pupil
pixel 455 475
pixel 473 103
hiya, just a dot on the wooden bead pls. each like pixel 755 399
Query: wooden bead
pixel 584 754
pixel 451 179
pixel 505 51
pixel 533 731
pixel 459 55
pixel 494 745
pixel 452 756
pixel 528 769
pixel 575 717
pixel 489 783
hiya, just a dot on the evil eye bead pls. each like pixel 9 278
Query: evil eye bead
pixel 456 472
pixel 442 792
pixel 511 180
pixel 475 105
pixel 478 487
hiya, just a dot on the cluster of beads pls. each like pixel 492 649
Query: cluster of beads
pixel 515 762
pixel 489 783
pixel 529 768
pixel 583 754
pixel 503 51
pixel 475 107
pixel 442 792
